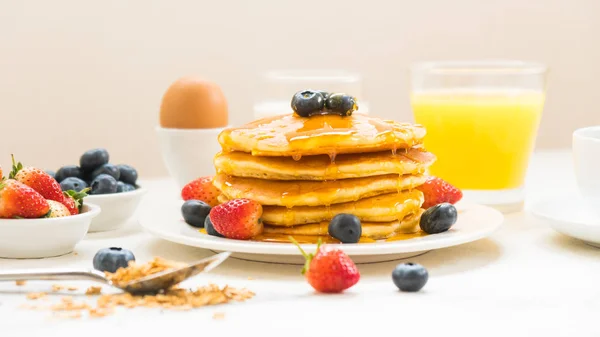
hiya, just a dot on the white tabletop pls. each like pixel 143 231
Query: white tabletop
pixel 524 280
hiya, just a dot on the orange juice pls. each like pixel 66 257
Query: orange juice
pixel 482 139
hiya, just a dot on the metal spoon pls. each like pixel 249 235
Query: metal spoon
pixel 149 284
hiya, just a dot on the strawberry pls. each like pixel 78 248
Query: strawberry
pixel 201 189
pixel 18 200
pixel 437 191
pixel 37 179
pixel 57 210
pixel 237 219
pixel 1 176
pixel 330 270
pixel 74 200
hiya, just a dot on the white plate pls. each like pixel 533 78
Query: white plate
pixel 474 222
pixel 569 215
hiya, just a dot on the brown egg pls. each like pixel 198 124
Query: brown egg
pixel 192 103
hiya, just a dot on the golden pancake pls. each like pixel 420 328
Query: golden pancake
pixel 381 208
pixel 241 164
pixel 291 193
pixel 291 135
pixel 373 230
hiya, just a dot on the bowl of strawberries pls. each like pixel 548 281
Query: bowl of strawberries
pixel 38 219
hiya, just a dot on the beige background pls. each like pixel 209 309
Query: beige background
pixel 80 74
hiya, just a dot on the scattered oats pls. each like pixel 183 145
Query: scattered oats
pixel 136 270
pixel 179 299
pixel 250 278
pixel 67 304
pixel 72 288
pixel 35 296
pixel 218 315
pixel 57 287
pixel 100 312
pixel 20 283
pixel 75 254
pixel 93 290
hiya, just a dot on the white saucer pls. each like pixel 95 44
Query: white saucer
pixel 569 215
pixel 474 222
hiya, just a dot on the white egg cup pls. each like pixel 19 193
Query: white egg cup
pixel 188 153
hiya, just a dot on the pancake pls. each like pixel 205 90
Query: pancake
pixel 373 230
pixel 381 208
pixel 291 193
pixel 320 167
pixel 294 136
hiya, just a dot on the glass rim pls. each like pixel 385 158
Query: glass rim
pixel 483 67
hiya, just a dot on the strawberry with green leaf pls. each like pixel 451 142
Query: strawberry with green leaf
pixel 18 200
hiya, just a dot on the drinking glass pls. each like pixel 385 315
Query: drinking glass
pixel 481 119
pixel 276 88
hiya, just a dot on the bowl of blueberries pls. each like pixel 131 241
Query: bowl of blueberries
pixel 112 187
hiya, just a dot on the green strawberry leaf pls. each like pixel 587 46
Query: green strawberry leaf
pixel 77 196
pixel 15 168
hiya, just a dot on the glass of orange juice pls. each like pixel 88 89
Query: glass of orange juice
pixel 481 119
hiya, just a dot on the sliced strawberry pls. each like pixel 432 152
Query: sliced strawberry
pixel 18 200
pixel 330 270
pixel 201 189
pixel 237 219
pixel 437 191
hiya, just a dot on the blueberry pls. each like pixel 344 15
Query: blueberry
pixel 210 230
pixel 128 174
pixel 110 169
pixel 50 173
pixel 307 102
pixel 346 228
pixel 93 159
pixel 195 212
pixel 74 184
pixel 68 171
pixel 325 94
pixel 123 187
pixel 104 184
pixel 410 276
pixel 438 218
pixel 341 104
pixel 113 258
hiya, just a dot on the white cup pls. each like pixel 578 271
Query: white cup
pixel 188 153
pixel 586 154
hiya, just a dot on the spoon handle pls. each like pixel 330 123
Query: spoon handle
pixel 52 274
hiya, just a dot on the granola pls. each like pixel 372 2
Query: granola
pixel 136 270
pixel 35 296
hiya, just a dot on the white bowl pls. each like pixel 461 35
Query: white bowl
pixel 117 208
pixel 38 238
pixel 188 153
pixel 586 156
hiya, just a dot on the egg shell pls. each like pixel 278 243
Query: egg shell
pixel 193 103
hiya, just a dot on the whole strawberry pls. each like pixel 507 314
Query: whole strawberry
pixel 237 219
pixel 37 179
pixel 201 189
pixel 437 191
pixel 57 210
pixel 73 200
pixel 18 200
pixel 329 270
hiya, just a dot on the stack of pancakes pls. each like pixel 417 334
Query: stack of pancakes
pixel 304 171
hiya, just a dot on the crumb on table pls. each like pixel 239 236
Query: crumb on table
pixel 20 283
pixel 35 296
